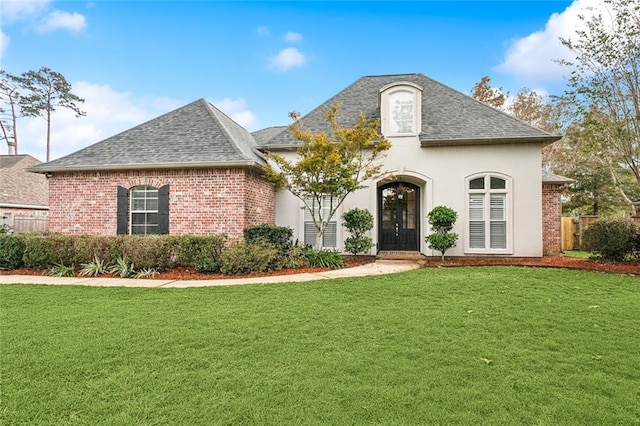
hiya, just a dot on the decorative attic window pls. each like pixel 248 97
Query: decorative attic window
pixel 401 109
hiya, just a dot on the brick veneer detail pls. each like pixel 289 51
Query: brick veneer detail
pixel 551 219
pixel 201 202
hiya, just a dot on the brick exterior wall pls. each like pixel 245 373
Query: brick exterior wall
pixel 551 219
pixel 201 202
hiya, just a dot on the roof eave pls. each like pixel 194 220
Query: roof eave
pixel 544 140
pixel 149 166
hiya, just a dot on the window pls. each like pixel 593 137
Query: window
pixel 329 239
pixel 143 210
pixel 400 108
pixel 488 214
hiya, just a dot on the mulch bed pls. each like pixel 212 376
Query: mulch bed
pixel 627 268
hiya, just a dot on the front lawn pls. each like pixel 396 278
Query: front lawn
pixel 489 345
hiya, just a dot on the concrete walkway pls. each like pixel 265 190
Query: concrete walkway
pixel 379 267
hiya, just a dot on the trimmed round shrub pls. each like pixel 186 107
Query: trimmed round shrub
pixel 613 239
pixel 243 257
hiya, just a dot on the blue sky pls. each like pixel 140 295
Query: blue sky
pixel 134 60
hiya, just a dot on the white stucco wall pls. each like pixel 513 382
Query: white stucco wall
pixel 441 174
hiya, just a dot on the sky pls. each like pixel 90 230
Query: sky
pixel 257 61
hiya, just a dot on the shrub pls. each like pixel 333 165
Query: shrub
pixel 123 268
pixel 243 257
pixel 442 219
pixel 613 239
pixel 42 251
pixel 11 251
pixel 324 258
pixel 87 247
pixel 94 268
pixel 60 270
pixel 358 222
pixel 201 252
pixel 279 236
pixel 149 251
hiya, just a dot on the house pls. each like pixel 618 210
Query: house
pixel 196 171
pixel 23 195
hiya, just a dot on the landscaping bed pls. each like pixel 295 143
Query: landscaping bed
pixel 630 268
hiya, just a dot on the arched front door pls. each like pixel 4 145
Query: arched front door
pixel 398 212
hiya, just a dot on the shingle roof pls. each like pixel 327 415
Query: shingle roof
pixel 264 135
pixel 18 186
pixel 448 116
pixel 548 177
pixel 195 135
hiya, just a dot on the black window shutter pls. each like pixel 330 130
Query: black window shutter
pixel 163 209
pixel 123 213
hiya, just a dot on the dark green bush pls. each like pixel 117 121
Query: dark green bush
pixel 358 222
pixel 244 257
pixel 442 219
pixel 200 252
pixel 87 247
pixel 613 239
pixel 280 236
pixel 11 251
pixel 149 251
pixel 43 251
pixel 324 258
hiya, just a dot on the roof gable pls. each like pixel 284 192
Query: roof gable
pixel 195 135
pixel 448 116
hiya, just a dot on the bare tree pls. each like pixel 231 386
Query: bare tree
pixel 9 98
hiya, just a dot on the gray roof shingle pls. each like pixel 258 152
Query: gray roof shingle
pixel 18 186
pixel 448 116
pixel 195 135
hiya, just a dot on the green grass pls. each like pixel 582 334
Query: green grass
pixel 577 253
pixel 489 345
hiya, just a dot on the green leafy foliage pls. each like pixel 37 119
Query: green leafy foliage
pixel 329 165
pixel 613 239
pixel 42 251
pixel 123 268
pixel 278 235
pixel 324 258
pixel 201 252
pixel 442 219
pixel 11 251
pixel 358 222
pixel 244 257
pixel 94 268
pixel 61 270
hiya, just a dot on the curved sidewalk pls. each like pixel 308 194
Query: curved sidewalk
pixel 379 267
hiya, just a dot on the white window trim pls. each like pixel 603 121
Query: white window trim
pixel 334 219
pixel 508 191
pixel 389 90
pixel 132 212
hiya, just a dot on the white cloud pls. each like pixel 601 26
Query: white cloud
pixel 287 58
pixel 237 110
pixel 293 37
pixel 16 10
pixel 58 20
pixel 263 31
pixel 532 58
pixel 109 112
pixel 4 43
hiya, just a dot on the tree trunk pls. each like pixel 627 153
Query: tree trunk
pixel 48 134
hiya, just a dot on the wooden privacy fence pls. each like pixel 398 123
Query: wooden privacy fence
pixel 572 228
pixel 23 224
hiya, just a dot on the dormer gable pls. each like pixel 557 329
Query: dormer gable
pixel 400 109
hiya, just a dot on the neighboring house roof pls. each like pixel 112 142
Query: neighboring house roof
pixel 448 116
pixel 18 187
pixel 263 136
pixel 195 135
pixel 550 178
